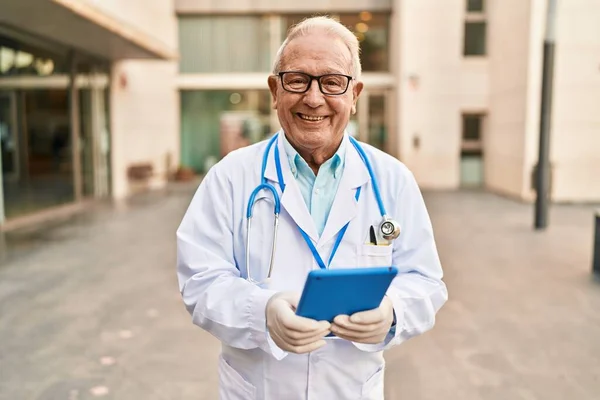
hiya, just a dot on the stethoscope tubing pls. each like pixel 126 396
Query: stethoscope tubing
pixel 264 185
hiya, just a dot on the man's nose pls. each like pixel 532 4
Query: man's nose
pixel 313 97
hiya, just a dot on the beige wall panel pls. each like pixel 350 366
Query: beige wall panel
pixel 145 121
pixel 508 45
pixel 575 135
pixel 259 6
pixel 430 71
pixel 154 17
pixel 474 85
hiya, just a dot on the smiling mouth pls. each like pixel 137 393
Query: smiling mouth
pixel 310 118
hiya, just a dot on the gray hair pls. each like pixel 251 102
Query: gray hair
pixel 329 25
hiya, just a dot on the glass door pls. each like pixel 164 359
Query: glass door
pixel 39 170
pixel 373 118
pixel 9 138
pixel 9 148
pixel 377 123
pixel 94 142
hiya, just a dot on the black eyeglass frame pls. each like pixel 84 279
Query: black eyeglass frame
pixel 314 78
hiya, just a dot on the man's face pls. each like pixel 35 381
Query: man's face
pixel 313 120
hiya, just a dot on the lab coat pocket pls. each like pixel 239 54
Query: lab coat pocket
pixel 372 389
pixel 232 386
pixel 370 255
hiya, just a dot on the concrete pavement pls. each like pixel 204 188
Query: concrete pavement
pixel 90 308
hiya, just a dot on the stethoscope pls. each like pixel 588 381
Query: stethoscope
pixel 389 228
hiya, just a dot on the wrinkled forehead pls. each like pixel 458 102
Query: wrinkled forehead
pixel 317 53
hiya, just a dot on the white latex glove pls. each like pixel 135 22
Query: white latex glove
pixel 291 332
pixel 369 327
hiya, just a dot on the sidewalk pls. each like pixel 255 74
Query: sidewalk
pixel 90 309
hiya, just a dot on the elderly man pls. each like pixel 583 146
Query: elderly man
pixel 328 203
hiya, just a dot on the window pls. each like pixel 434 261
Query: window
pixel 20 59
pixel 475 29
pixel 475 5
pixel 475 39
pixel 224 44
pixel 214 122
pixel 472 127
pixel 372 31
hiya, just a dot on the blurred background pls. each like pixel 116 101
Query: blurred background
pixel 110 112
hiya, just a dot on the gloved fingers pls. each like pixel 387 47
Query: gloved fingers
pixel 384 312
pixel 373 338
pixel 346 332
pixel 368 317
pixel 298 347
pixel 279 341
pixel 291 298
pixel 308 347
pixel 293 301
pixel 320 327
pixel 293 322
pixel 295 341
pixel 343 322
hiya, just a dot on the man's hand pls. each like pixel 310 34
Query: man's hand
pixel 291 332
pixel 369 327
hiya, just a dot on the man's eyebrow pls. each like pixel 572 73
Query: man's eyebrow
pixel 323 72
pixel 327 71
pixel 334 71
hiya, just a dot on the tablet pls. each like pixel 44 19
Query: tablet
pixel 328 293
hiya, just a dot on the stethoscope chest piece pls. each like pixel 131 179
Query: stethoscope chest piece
pixel 390 229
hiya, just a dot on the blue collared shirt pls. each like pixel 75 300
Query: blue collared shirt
pixel 318 191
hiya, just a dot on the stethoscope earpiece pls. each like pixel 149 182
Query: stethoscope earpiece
pixel 390 229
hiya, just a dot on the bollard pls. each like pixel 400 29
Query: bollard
pixel 596 250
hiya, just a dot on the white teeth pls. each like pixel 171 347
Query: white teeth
pixel 306 117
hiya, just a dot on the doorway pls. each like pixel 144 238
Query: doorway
pixel 372 123
pixel 54 127
pixel 36 160
pixel 9 155
pixel 8 136
pixel 471 156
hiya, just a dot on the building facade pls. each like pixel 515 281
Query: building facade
pixel 101 98
pixel 88 102
pixel 452 88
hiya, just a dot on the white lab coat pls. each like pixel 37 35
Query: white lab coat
pixel 211 271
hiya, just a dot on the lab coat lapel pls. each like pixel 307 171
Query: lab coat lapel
pixel 345 206
pixel 291 200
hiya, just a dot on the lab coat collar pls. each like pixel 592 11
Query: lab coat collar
pixel 345 206
pixel 292 199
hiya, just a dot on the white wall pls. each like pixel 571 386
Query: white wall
pixel 516 37
pixel 508 44
pixel 431 56
pixel 153 17
pixel 474 84
pixel 575 135
pixel 144 99
pixel 259 6
pixel 144 121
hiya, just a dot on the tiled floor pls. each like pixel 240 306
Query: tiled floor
pixel 90 309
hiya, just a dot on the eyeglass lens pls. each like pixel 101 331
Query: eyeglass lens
pixel 330 84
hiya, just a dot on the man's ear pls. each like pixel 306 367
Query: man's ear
pixel 273 89
pixel 356 90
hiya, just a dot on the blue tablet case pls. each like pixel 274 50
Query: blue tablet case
pixel 330 292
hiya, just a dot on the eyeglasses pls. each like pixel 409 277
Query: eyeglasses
pixel 329 84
